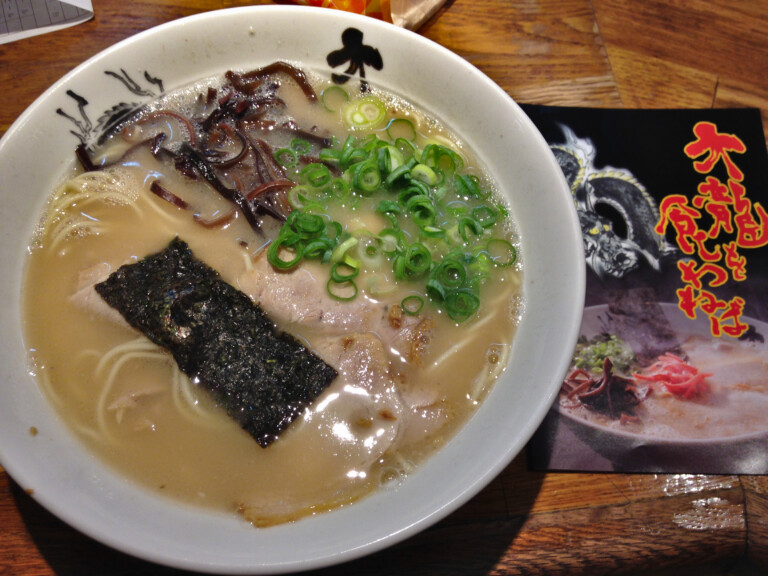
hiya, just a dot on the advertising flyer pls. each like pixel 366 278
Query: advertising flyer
pixel 670 373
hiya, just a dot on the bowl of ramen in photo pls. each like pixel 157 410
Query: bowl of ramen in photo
pixel 652 390
pixel 282 287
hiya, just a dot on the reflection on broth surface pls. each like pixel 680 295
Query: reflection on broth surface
pixel 408 287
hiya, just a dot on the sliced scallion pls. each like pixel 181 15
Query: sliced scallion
pixel 367 177
pixel 412 304
pixel 486 215
pixel 343 291
pixel 501 252
pixel 425 174
pixel 286 157
pixel 469 224
pixel 280 246
pixel 333 98
pixel 316 175
pixel 364 113
pixel 401 128
pixel 300 146
pixel 461 304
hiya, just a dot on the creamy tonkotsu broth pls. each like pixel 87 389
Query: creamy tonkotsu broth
pixel 407 382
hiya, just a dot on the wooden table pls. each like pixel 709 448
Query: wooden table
pixel 603 53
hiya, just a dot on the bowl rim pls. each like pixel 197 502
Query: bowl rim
pixel 567 330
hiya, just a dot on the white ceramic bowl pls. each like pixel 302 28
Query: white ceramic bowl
pixel 37 150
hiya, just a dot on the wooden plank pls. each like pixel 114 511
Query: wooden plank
pixel 545 52
pixel 647 82
pixel 737 94
pixel 756 503
pixel 729 39
pixel 648 534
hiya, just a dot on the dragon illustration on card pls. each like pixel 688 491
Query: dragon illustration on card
pixel 616 213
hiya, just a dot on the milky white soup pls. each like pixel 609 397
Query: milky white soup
pixel 407 381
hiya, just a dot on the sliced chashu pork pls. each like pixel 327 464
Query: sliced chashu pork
pixel 299 297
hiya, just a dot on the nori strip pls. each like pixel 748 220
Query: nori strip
pixel 219 338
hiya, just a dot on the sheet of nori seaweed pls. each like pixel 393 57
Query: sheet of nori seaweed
pixel 219 338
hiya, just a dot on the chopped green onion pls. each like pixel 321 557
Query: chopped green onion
pixel 316 175
pixel 407 147
pixel 412 304
pixel 286 157
pixel 468 186
pixel 339 188
pixel 432 232
pixel 461 304
pixel 339 290
pixel 472 224
pixel 450 273
pixel 441 158
pixel 406 194
pixel 284 244
pixel 416 260
pixel 457 208
pixel 364 113
pixel 369 251
pixel 298 195
pixel 300 146
pixel 389 158
pixel 333 230
pixel 435 290
pixel 341 249
pixel 352 155
pixel 313 206
pixel 307 225
pixel 501 252
pixel 316 249
pixel 391 240
pixel 485 215
pixel 367 177
pixel 401 128
pixel 333 98
pixel 435 208
pixel 425 174
pixel 330 155
pixel 377 284
pixel 402 171
pixel 390 209
pixel 422 210
pixel 343 272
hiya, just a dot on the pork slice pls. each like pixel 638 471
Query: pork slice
pixel 343 436
pixel 363 412
pixel 299 296
pixel 86 298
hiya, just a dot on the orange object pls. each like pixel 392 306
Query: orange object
pixel 375 8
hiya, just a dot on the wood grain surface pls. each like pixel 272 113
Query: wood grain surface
pixel 604 53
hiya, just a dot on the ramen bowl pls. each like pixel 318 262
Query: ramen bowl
pixel 37 152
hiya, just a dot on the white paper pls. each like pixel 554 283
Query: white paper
pixel 24 18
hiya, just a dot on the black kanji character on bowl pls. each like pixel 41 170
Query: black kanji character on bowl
pixel 356 53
